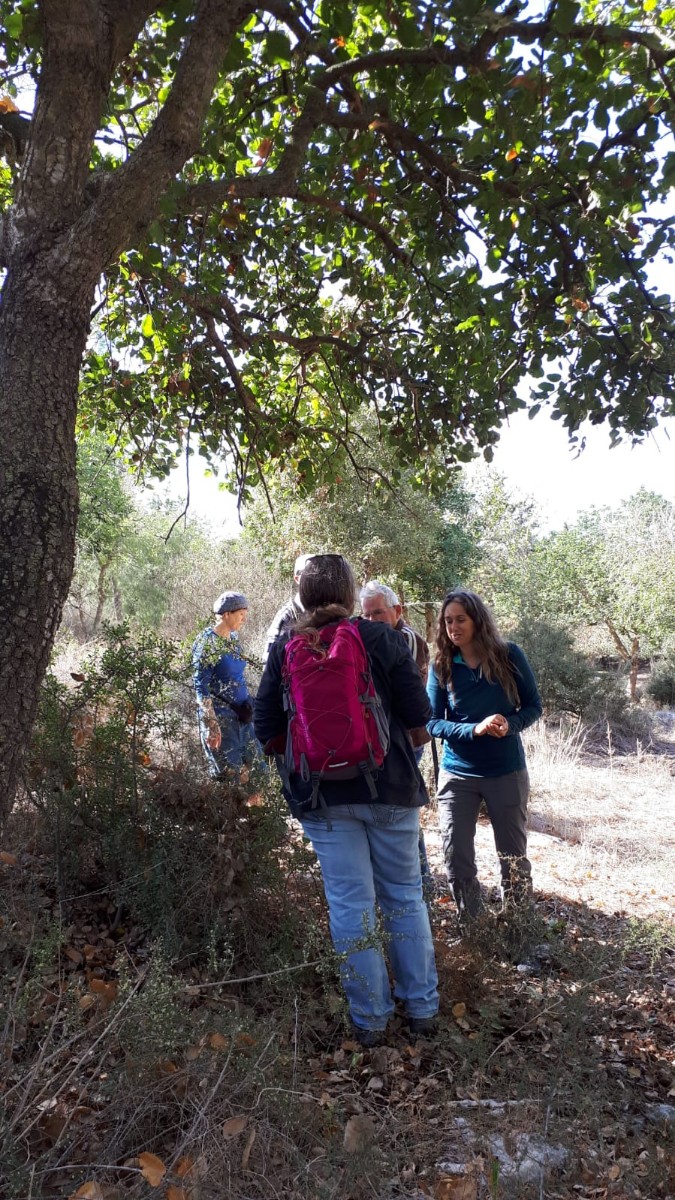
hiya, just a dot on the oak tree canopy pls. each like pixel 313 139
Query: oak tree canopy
pixel 235 224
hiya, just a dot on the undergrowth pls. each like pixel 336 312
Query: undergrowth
pixel 172 1022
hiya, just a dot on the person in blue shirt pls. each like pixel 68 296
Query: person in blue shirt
pixel 225 707
pixel 482 693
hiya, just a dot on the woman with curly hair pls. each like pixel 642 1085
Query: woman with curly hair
pixel 482 693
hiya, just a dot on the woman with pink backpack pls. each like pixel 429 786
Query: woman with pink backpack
pixel 336 700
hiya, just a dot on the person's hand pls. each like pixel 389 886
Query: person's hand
pixel 214 736
pixel 494 726
pixel 243 711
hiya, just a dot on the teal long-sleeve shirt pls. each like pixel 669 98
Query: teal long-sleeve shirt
pixel 471 698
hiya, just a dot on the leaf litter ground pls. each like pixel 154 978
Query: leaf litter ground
pixel 124 1078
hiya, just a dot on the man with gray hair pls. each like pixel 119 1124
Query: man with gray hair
pixel 380 603
pixel 289 612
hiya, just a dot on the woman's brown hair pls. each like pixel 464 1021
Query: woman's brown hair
pixel 493 650
pixel 327 591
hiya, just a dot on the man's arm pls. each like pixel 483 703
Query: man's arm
pixel 409 700
pixel 422 657
pixel 202 673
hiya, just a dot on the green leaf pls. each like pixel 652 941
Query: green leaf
pixel 475 108
pixel 565 15
pixel 147 325
pixel 277 48
pixel 14 24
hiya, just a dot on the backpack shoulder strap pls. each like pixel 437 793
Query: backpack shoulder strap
pixel 409 636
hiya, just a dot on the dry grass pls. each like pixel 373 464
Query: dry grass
pixel 602 828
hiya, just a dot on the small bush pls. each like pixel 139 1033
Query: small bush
pixel 568 681
pixel 124 800
pixel 661 683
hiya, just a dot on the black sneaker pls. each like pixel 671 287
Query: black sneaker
pixel 369 1037
pixel 423 1026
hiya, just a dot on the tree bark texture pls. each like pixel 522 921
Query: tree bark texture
pixel 42 338
pixel 56 239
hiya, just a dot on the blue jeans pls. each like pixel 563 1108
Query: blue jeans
pixel 369 854
pixel 238 745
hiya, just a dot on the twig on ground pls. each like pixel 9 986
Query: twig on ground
pixel 253 978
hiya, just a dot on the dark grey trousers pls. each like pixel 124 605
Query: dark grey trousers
pixel 459 798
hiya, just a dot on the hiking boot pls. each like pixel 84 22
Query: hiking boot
pixel 423 1026
pixel 470 905
pixel 370 1038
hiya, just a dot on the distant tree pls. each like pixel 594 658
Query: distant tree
pixel 418 544
pixel 106 518
pixel 506 527
pixel 615 567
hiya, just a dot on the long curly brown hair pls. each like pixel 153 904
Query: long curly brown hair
pixel 493 650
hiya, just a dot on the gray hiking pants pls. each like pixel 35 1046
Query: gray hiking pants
pixel 459 798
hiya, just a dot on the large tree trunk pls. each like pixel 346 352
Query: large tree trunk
pixel 55 240
pixel 42 338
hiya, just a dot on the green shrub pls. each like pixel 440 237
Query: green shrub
pixel 568 680
pixel 661 683
pixel 119 783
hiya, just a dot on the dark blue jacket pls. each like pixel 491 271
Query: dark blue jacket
pixel 218 667
pixel 458 709
pixel 398 684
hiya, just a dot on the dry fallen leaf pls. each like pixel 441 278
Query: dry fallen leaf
pixel 176 1193
pixel 614 1172
pixel 152 1168
pixel 166 1067
pixel 88 1191
pixel 9 859
pixel 458 1010
pixel 359 1133
pixel 234 1126
pixel 102 987
pixel 184 1166
pixel 456 1187
pixel 217 1041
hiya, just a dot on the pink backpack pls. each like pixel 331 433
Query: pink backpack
pixel 337 727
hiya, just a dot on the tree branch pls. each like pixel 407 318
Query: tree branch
pixel 128 198
pixel 83 41
pixel 244 394
pixel 347 210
